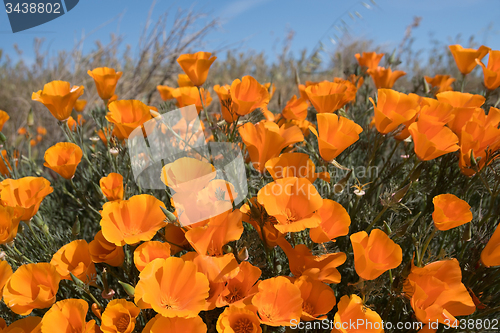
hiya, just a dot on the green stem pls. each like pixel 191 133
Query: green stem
pixel 426 244
pixel 377 218
pixel 36 237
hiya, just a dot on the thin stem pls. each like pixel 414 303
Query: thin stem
pixel 36 237
pixel 377 218
pixel 426 244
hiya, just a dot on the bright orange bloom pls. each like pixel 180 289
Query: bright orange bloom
pixel 432 141
pixel 328 97
pixel 25 325
pixel 75 258
pixel 187 174
pixel 112 186
pixel 303 262
pixel 490 256
pixel 466 58
pixel 247 95
pixel 127 115
pixel 119 317
pixel 133 220
pixel 149 251
pixel 24 195
pixel 68 316
pixel 59 98
pixel 278 302
pixel 293 202
pixel 435 112
pixel 196 66
pixel 393 109
pixel 465 106
pixel 8 225
pixel 190 95
pixel 266 140
pixel 335 134
pixel 440 83
pixel 4 116
pixel 236 320
pixel 172 287
pixel 63 158
pixel 105 80
pixel 5 274
pixel 226 104
pixel 103 251
pixel 32 286
pixel 22 131
pixel 450 212
pixel 165 92
pixel 492 71
pixel 351 309
pixel 184 81
pixel 335 222
pixel 294 165
pixel 73 124
pixel 436 292
pixel 319 298
pixel 256 215
pixel 295 109
pixel 384 78
pixel 240 288
pixel 220 230
pixel 80 105
pixel 370 60
pixel 160 324
pixel 374 254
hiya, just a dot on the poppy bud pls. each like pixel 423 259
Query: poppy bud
pixel 96 310
pixel 398 195
pixel 467 236
pixel 243 254
pixel 427 89
pixel 339 187
pixel 128 288
pixel 416 173
pixel 170 216
pixel 2 138
pixel 30 121
pixel 75 231
pixel 227 249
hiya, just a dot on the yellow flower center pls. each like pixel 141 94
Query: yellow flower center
pixel 243 325
pixel 290 216
pixel 234 295
pixel 122 323
pixel 308 308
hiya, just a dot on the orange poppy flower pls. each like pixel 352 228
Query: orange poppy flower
pixel 356 80
pixel 247 95
pixel 278 302
pixel 335 222
pixel 24 195
pixel 235 319
pixel 220 230
pixel 328 97
pixel 127 115
pixel 440 83
pixel 73 124
pixel 187 174
pixel 59 98
pixel 8 225
pixel 335 134
pixel 149 251
pixel 119 317
pixel 490 256
pixel 466 58
pixel 184 81
pixel 172 287
pixel 374 254
pixel 240 288
pixel 105 79
pixel 68 316
pixel 303 262
pixel 257 216
pixel 450 212
pixel 196 66
pixel 465 106
pixel 160 324
pixel 112 186
pixel 369 59
pixel 186 96
pixel 22 131
pixel 294 165
pixel 4 116
pixel 351 309
pixel 133 220
pixel 436 292
pixel 32 286
pixel 384 78
pixel 431 141
pixel 435 112
pixel 25 325
pixel 295 109
pixel 63 158
pixel 393 109
pixel 226 104
pixel 166 92
pixel 293 202
pixel 103 251
pixel 491 72
pixel 75 258
pixel 318 298
pixel 80 105
pixel 5 274
pixel 266 140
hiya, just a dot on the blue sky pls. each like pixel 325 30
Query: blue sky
pixel 262 25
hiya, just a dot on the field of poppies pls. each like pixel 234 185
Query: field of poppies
pixel 348 206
